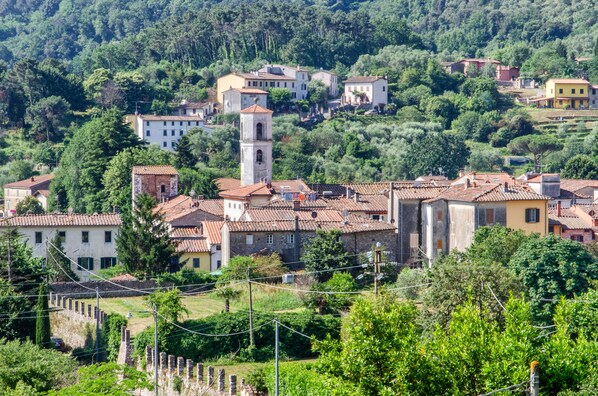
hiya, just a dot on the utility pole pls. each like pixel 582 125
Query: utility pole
pixel 534 378
pixel 250 310
pixel 8 235
pixel 156 355
pixel 377 260
pixel 97 325
pixel 276 358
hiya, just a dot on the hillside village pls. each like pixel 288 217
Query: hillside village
pixel 298 198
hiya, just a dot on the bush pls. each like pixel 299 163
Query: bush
pixel 188 277
pixel 111 334
pixel 201 348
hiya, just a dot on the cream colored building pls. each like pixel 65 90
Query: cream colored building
pixel 255 80
pixel 17 191
pixel 364 90
pixel 88 240
pixel 329 79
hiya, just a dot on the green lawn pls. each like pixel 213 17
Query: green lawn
pixel 264 299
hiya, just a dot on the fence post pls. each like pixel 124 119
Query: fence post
pixel 534 378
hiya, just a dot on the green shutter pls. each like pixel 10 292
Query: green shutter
pixel 90 262
pixel 79 263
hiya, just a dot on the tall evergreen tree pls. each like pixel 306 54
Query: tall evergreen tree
pixel 59 262
pixel 184 155
pixel 143 245
pixel 325 251
pixel 42 320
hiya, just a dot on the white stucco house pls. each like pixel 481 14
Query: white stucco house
pixel 88 240
pixel 165 131
pixel 366 90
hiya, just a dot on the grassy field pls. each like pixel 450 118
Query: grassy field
pixel 200 306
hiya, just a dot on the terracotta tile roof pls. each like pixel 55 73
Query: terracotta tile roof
pixel 62 220
pixel 575 185
pixel 485 178
pixel 154 170
pixel 211 230
pixel 569 80
pixel 489 192
pixel 197 245
pixel 568 219
pixel 269 214
pixel 259 189
pixel 424 192
pixel 32 182
pixel 365 203
pixel 567 194
pixel 249 91
pixel 363 79
pixel 296 185
pixel 590 210
pixel 263 76
pixel 256 109
pixel 303 205
pixel 213 206
pixel 185 232
pixel 148 117
pixel 227 183
pixel 360 188
pixel 346 227
pixel 431 178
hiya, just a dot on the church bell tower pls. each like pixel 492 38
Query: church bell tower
pixel 256 145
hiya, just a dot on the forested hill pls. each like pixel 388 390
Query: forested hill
pixel 316 33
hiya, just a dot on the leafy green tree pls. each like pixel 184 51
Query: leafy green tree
pixel 14 305
pixel 580 167
pixel 537 145
pixel 42 320
pixel 551 268
pixel 324 252
pixel 143 244
pixel 496 244
pixel 279 97
pixel 322 297
pixel 201 182
pixel 38 368
pixel 184 154
pixel 29 205
pixel 111 334
pixel 106 379
pixel 21 169
pixel 317 93
pixel 48 119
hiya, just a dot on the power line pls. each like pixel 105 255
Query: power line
pixel 508 388
pixel 209 335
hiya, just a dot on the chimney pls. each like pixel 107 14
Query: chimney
pixel 505 186
pixel 558 208
pixel 467 183
pixel 460 172
pixel 356 197
pixel 296 205
pixel 32 179
pixel 473 175
pixel 348 192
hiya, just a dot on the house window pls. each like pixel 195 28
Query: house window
pixel 162 188
pixel 581 91
pixel 439 244
pixel 181 123
pixel 439 215
pixel 560 90
pixel 285 84
pixel 278 84
pixel 293 85
pixel 172 123
pixel 383 89
pixel 259 156
pixel 593 92
pixel 172 144
pixel 38 237
pixel 85 263
pixel 107 236
pixel 147 123
pixel 218 248
pixel 551 229
pixel 181 132
pixel 107 262
pixel 489 216
pixel 62 236
pixel 249 239
pixel 196 123
pixel 532 215
pixel 165 132
pixel 147 133
pixel 259 131
pixel 195 263
pixel 218 264
pixel 172 132
pixel 376 217
pixel 164 123
pixel 572 90
pixel 291 238
pixel 84 236
pixel 577 238
pixel 164 144
pixel 560 102
pixel 269 239
pixel 189 122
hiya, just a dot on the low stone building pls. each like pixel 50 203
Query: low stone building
pixel 17 191
pixel 159 181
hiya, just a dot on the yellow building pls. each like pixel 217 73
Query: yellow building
pixel 567 93
pixel 530 216
pixel 193 248
pixel 260 80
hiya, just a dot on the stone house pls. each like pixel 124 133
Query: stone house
pixel 329 79
pixel 15 192
pixel 203 110
pixel 184 211
pixel 450 219
pixel 159 181
pixel 88 240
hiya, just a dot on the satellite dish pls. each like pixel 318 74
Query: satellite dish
pixel 314 215
pixel 345 213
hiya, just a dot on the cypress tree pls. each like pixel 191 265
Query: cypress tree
pixel 42 321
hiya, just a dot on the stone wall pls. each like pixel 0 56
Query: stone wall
pixel 82 290
pixel 74 321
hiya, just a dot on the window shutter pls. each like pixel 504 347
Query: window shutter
pixel 79 263
pixel 90 263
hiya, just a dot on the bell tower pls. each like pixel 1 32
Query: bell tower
pixel 256 145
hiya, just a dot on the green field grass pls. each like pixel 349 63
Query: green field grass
pixel 199 306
